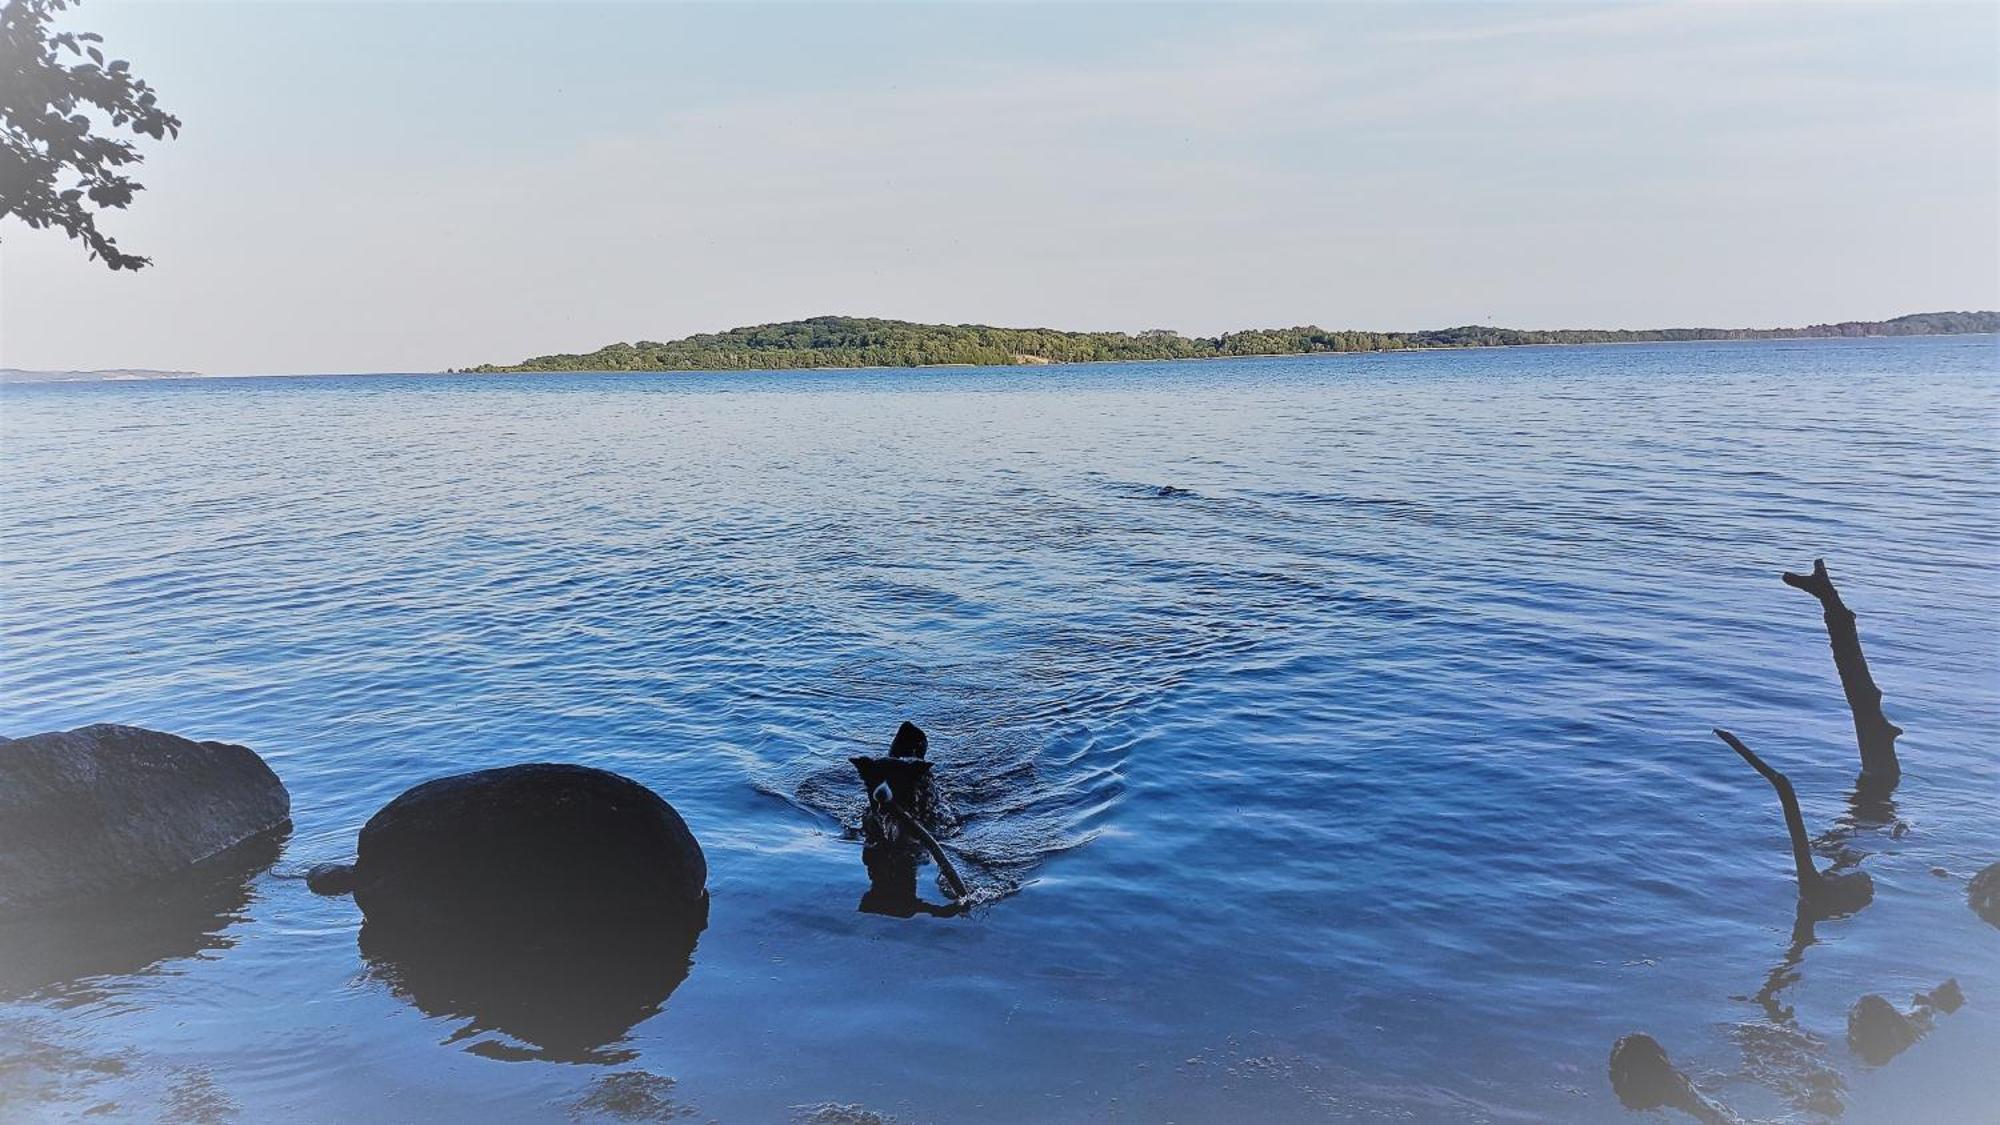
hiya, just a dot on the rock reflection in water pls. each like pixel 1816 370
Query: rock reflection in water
pixel 1778 1053
pixel 64 950
pixel 1786 972
pixel 562 994
pixel 1870 808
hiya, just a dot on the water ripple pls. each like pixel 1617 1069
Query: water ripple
pixel 1335 728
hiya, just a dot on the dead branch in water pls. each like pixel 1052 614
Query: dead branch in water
pixel 1795 822
pixel 1821 893
pixel 1874 734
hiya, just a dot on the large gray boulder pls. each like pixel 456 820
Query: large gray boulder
pixel 103 808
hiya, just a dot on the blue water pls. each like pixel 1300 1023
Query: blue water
pixel 1331 733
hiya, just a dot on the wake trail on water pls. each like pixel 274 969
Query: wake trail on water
pixel 1029 743
pixel 1012 796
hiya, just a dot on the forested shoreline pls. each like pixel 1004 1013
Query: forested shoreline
pixel 840 341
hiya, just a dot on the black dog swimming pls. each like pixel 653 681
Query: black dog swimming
pixel 904 808
pixel 900 780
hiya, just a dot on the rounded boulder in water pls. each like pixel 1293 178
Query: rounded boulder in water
pixel 526 850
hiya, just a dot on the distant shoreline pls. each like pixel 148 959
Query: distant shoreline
pixel 848 343
pixel 83 377
pixel 101 375
pixel 1414 350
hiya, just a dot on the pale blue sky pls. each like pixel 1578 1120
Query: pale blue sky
pixel 411 186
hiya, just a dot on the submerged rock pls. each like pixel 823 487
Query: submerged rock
pixel 1946 998
pixel 632 1095
pixel 107 808
pixel 1644 1077
pixel 1878 1032
pixel 526 850
pixel 1984 893
pixel 330 878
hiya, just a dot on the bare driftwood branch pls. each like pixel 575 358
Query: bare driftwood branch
pixel 1795 822
pixel 1822 893
pixel 1874 734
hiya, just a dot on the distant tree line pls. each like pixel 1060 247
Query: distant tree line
pixel 844 341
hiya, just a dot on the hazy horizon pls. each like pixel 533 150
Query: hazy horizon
pixel 413 187
pixel 721 330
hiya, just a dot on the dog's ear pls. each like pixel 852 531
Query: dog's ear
pixel 901 774
pixel 910 742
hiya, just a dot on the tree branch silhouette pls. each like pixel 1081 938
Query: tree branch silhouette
pixel 56 170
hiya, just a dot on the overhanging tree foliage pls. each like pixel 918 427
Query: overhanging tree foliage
pixel 55 170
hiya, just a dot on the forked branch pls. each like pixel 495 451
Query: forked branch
pixel 1874 734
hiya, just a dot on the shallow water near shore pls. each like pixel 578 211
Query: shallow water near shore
pixel 1330 734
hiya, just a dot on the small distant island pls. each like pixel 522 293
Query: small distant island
pixel 845 341
pixel 107 375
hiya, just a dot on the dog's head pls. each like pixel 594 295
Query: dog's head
pixel 898 778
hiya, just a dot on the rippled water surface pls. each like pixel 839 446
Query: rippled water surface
pixel 1330 734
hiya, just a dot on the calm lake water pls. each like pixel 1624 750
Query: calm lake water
pixel 1332 733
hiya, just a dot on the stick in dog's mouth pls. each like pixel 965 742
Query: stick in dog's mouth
pixel 924 837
